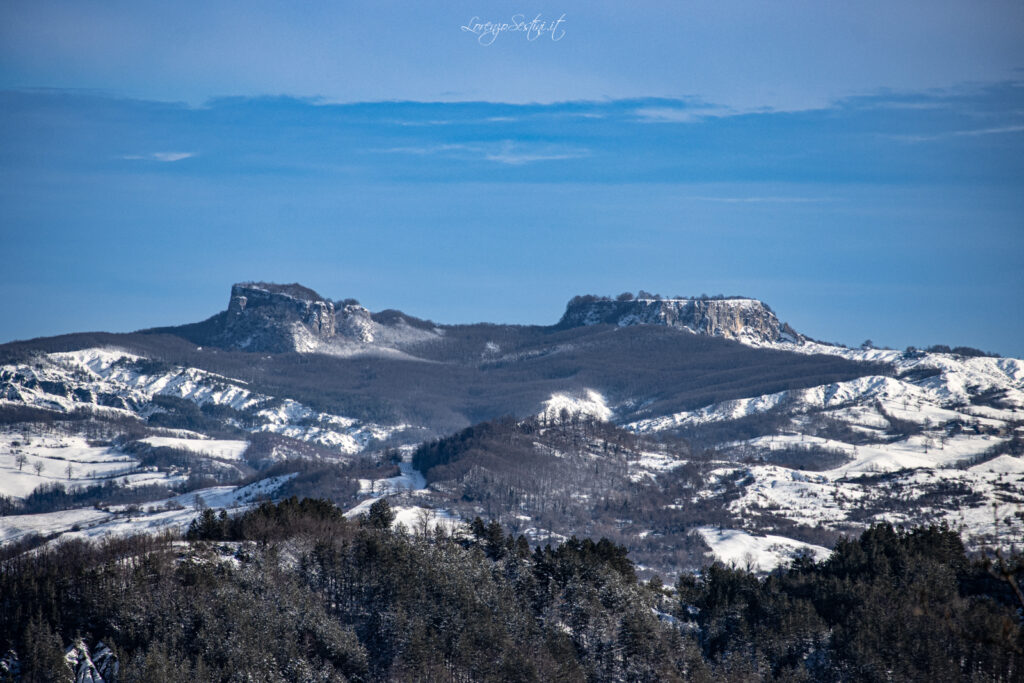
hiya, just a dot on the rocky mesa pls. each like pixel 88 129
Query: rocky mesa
pixel 732 318
pixel 276 318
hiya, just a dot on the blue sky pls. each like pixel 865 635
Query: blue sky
pixel 859 166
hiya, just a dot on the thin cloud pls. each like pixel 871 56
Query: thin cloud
pixel 429 149
pixel 996 130
pixel 763 200
pixel 432 122
pixel 450 122
pixel 678 115
pixel 923 106
pixel 508 153
pixel 991 131
pixel 519 158
pixel 163 157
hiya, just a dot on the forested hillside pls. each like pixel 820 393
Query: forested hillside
pixel 296 592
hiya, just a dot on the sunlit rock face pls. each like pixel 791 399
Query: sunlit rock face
pixel 355 322
pixel 730 318
pixel 276 318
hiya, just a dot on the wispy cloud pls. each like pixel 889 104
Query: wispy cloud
pixel 509 155
pixel 507 152
pixel 897 105
pixel 975 132
pixel 433 122
pixel 163 157
pixel 429 149
pixel 460 121
pixel 763 200
pixel 678 114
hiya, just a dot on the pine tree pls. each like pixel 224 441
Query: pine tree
pixel 381 515
pixel 43 660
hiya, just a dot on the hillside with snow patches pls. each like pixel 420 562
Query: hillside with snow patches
pixel 939 437
pixel 117 383
pixel 944 447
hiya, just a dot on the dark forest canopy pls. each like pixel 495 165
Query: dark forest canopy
pixel 294 591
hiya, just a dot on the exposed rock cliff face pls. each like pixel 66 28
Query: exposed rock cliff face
pixel 276 318
pixel 354 322
pixel 730 318
pixel 273 318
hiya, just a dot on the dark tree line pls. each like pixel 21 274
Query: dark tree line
pixel 296 592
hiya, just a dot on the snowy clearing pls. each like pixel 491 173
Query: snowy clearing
pixel 757 553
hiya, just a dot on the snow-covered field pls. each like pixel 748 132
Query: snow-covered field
pixel 222 449
pixel 176 512
pixel 414 518
pixel 28 461
pixel 651 464
pixel 410 479
pixel 757 553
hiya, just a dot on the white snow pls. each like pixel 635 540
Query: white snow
pixel 89 374
pixel 176 512
pixel 410 479
pixel 650 464
pixel 223 449
pixel 53 453
pixel 1004 464
pixel 917 451
pixel 14 527
pixel 757 553
pixel 589 403
pixel 929 472
pixel 415 518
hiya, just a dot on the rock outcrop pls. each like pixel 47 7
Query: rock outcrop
pixel 276 318
pixel 99 667
pixel 355 322
pixel 736 318
pixel 273 318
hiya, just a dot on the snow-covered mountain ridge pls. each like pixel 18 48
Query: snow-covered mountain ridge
pixel 940 440
pixel 774 436
pixel 116 382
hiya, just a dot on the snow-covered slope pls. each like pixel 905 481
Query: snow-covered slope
pixel 30 460
pixel 589 403
pixel 115 382
pixel 159 515
pixel 757 553
pixel 940 440
pixel 917 437
pixel 222 449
